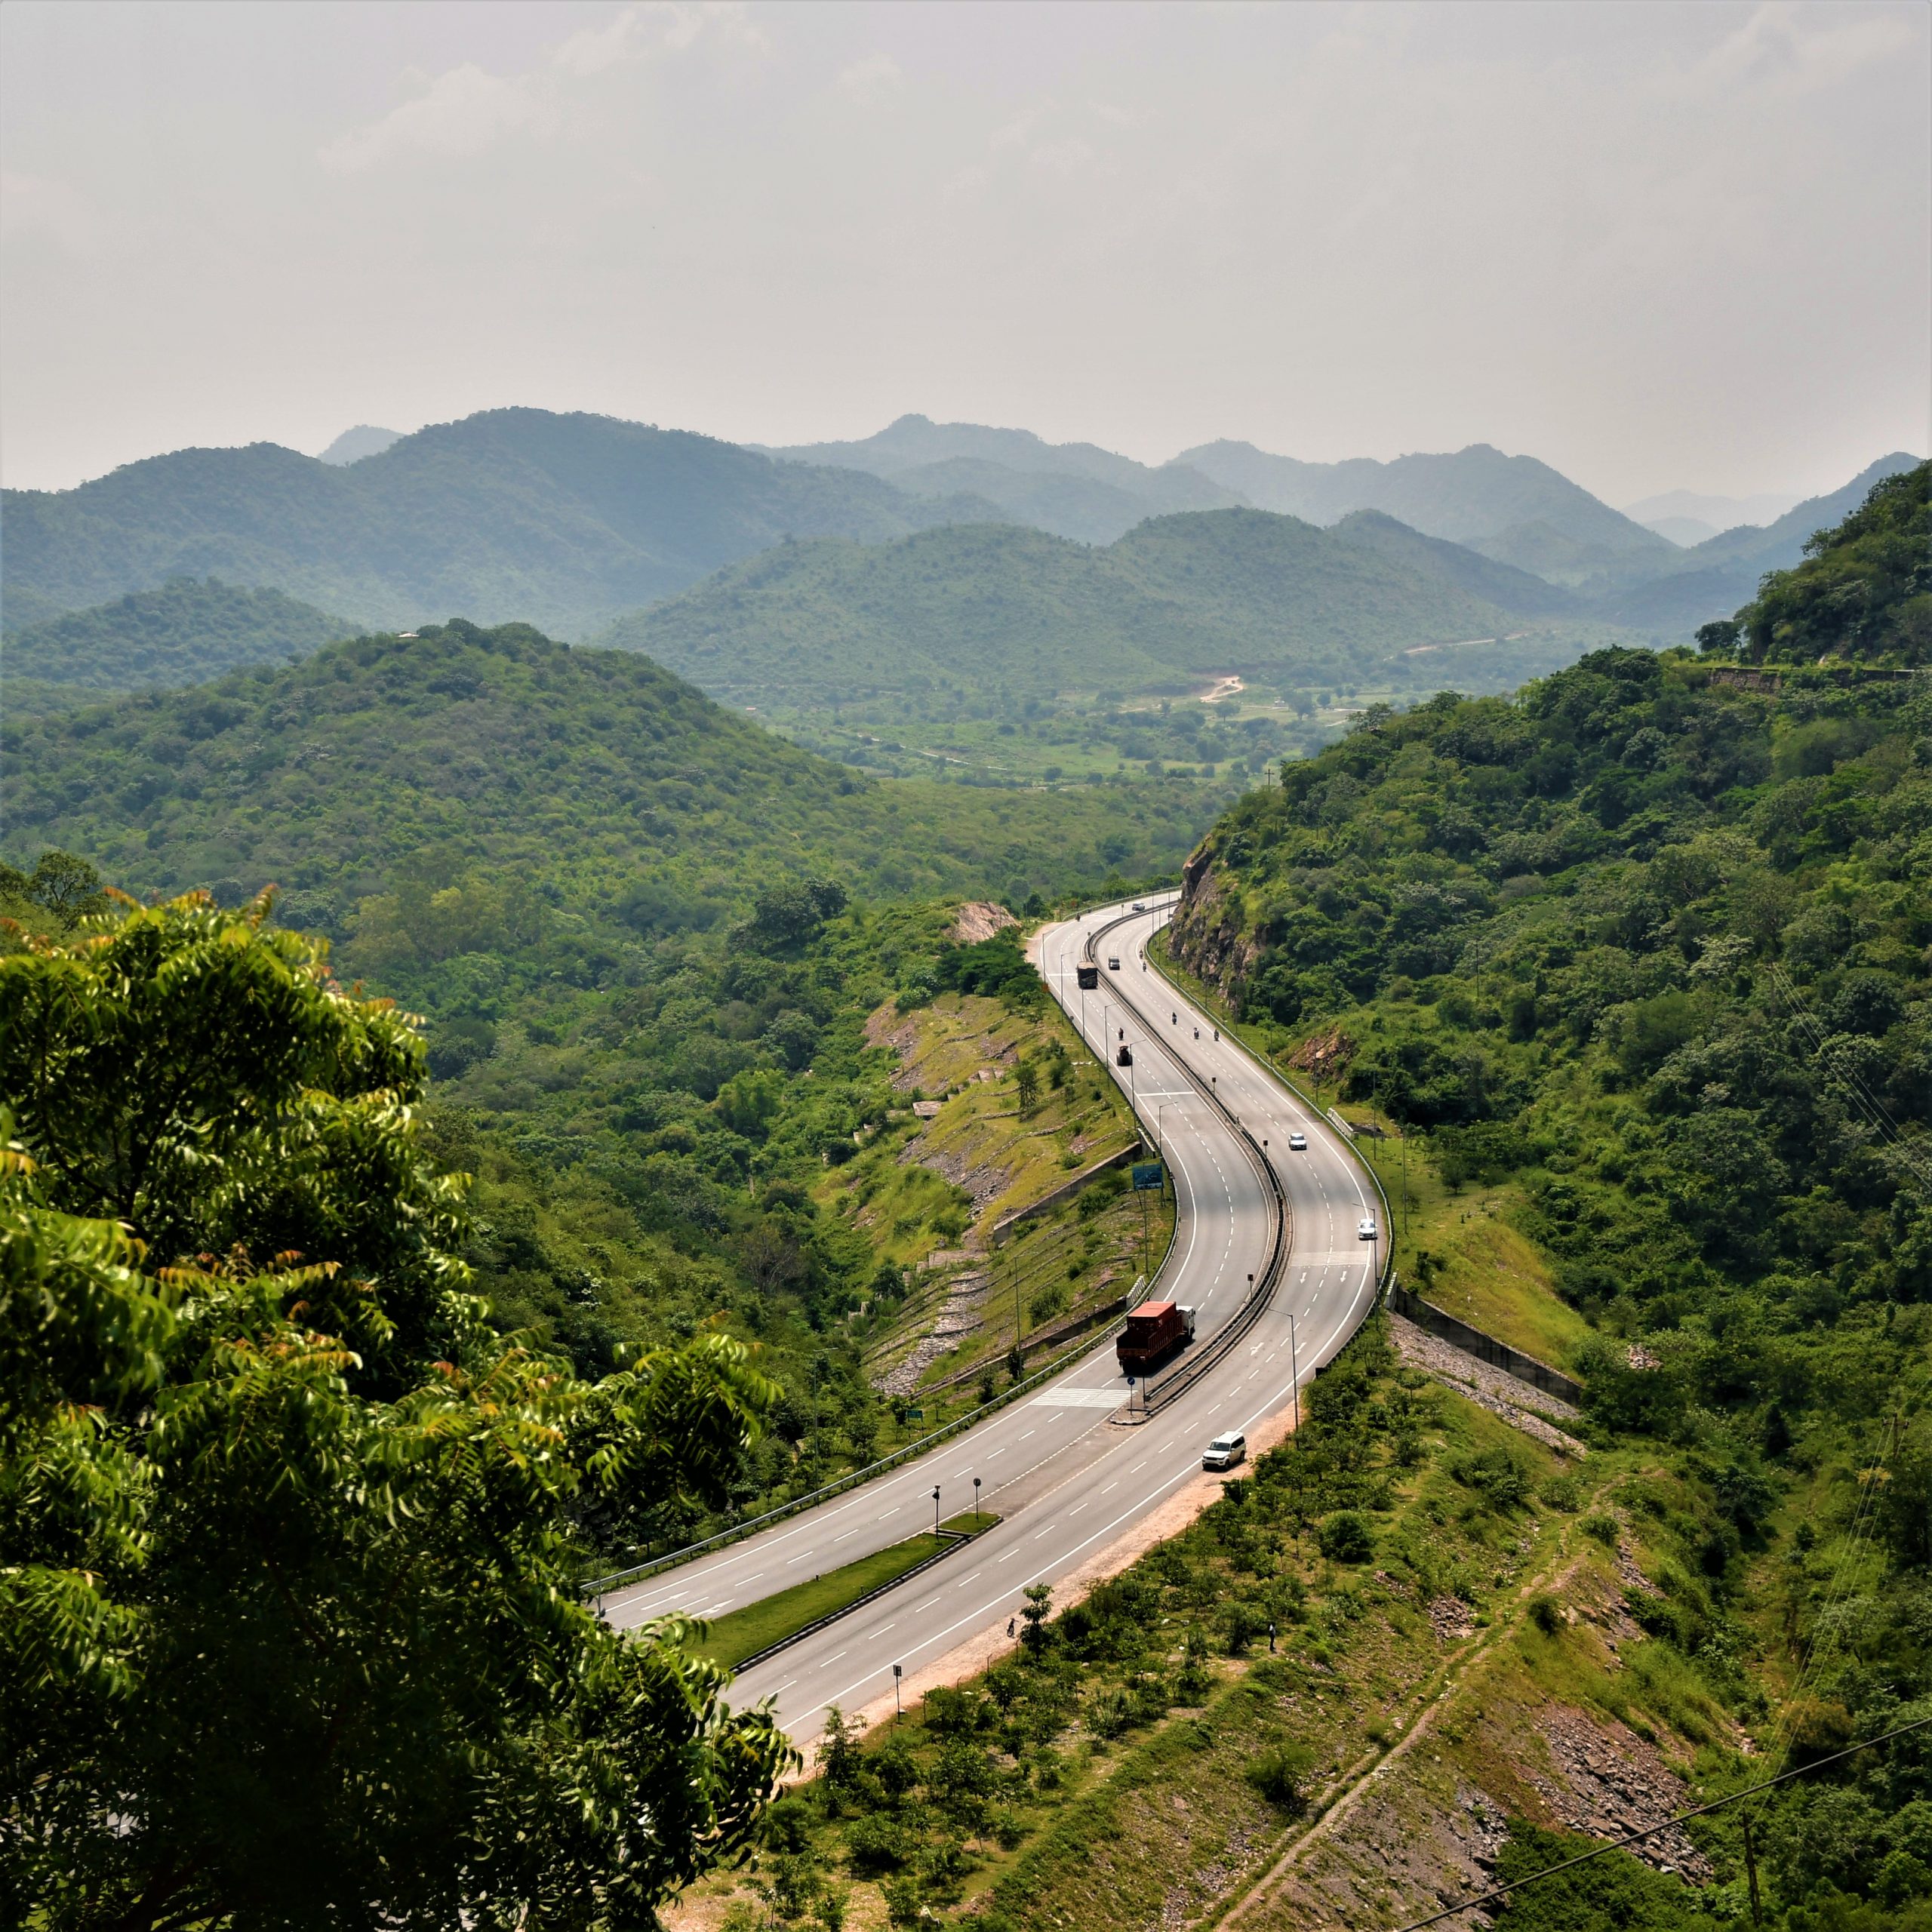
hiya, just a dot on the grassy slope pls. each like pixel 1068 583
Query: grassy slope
pixel 1053 1270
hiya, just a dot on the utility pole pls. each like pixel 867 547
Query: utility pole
pixel 1751 1873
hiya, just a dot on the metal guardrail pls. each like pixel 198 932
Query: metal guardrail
pixel 598 1587
pixel 1182 1377
pixel 1387 1273
pixel 955 1540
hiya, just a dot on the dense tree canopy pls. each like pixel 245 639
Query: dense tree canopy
pixel 1864 591
pixel 288 1530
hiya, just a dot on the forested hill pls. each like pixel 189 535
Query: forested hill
pixel 182 634
pixel 987 608
pixel 548 777
pixel 1863 592
pixel 563 520
pixel 1642 960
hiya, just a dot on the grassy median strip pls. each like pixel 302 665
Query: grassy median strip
pixel 743 1633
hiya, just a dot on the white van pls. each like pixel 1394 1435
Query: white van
pixel 1225 1451
pixel 1366 1229
pixel 1297 1142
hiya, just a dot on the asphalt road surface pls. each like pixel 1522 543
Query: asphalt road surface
pixel 1066 1478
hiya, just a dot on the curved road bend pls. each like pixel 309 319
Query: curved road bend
pixel 1066 1481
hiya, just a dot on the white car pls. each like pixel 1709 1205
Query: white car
pixel 1298 1142
pixel 1225 1451
pixel 1366 1229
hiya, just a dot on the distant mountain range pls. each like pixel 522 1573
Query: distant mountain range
pixel 1716 577
pixel 352 445
pixel 1074 490
pixel 1512 508
pixel 573 521
pixel 1686 517
pixel 564 521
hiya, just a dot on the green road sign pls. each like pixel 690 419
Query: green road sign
pixel 1146 1173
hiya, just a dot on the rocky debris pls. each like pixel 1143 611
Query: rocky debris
pixel 1489 1388
pixel 1642 1358
pixel 926 1109
pixel 980 919
pixel 1383 1852
pixel 958 1314
pixel 1482 1827
pixel 1324 1055
pixel 1613 1781
pixel 1452 1619
pixel 983 1183
pixel 1635 1583
pixel 1183 1905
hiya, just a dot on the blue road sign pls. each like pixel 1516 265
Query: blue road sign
pixel 1146 1173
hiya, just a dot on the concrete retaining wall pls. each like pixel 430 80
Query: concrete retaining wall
pixel 1066 1190
pixel 1485 1348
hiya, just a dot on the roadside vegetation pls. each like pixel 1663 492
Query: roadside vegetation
pixel 1640 964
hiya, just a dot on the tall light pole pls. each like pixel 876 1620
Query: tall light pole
pixel 976 1496
pixel 935 1509
pixel 1294 1368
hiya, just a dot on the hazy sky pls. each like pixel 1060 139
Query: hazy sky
pixel 1658 245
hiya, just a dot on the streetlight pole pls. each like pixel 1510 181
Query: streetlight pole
pixel 935 1509
pixel 976 1496
pixel 1294 1369
pixel 898 1711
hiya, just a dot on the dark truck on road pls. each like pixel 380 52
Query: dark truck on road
pixel 1155 1330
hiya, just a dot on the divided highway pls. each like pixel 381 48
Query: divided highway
pixel 1066 1478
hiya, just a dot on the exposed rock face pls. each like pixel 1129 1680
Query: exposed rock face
pixel 1207 934
pixel 980 918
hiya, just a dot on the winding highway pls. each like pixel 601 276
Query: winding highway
pixel 1067 1478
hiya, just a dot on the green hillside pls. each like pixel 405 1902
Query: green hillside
pixel 584 794
pixel 563 520
pixel 1635 963
pixel 1006 647
pixel 184 633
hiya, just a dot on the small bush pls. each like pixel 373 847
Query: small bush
pixel 1604 1527
pixel 1547 1613
pixel 876 1843
pixel 1280 1774
pixel 1344 1537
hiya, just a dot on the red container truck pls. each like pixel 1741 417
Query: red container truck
pixel 1155 1330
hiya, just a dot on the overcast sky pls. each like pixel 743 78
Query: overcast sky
pixel 1658 245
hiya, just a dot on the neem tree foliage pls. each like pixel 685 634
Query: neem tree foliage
pixel 287 1631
